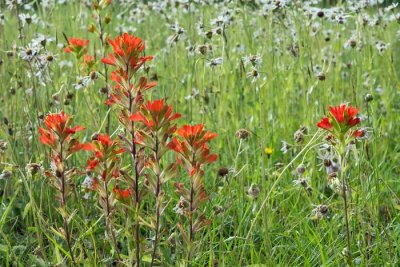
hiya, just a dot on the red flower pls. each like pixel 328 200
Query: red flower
pixel 338 112
pixel 77 46
pixel 155 115
pixel 126 51
pixel 104 149
pixel 47 137
pixel 193 145
pixel 58 134
pixel 195 135
pixel 105 139
pixel 325 124
pixel 339 122
pixel 92 163
pixel 122 193
pixel 342 117
pixel 57 125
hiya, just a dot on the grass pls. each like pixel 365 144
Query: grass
pixel 275 228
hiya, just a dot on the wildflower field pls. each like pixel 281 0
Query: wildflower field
pixel 199 133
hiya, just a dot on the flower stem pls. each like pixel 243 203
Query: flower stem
pixel 64 208
pixel 344 192
pixel 158 191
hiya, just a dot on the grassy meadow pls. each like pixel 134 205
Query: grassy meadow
pixel 260 74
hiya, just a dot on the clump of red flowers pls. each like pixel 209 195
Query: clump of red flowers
pixel 58 133
pixel 126 56
pixel 148 130
pixel 59 136
pixel 192 147
pixel 193 154
pixel 155 116
pixel 77 46
pixel 340 120
pixel 105 163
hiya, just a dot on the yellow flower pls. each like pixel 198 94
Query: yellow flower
pixel 268 150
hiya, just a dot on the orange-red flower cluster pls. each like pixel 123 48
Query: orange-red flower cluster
pixel 104 149
pixel 340 119
pixel 77 46
pixel 127 58
pixel 127 50
pixel 122 193
pixel 104 163
pixel 192 146
pixel 58 131
pixel 155 115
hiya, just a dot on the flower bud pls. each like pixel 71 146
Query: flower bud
pixel 91 28
pixel 107 20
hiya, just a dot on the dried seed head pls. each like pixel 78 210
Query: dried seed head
pixel 94 136
pixel 103 90
pixel 28 51
pixel 353 43
pixel 6 174
pixel 254 191
pixel 59 173
pixel 300 169
pixel 203 49
pixel 323 209
pixel 56 97
pixel 223 171
pixel 327 162
pixel 368 98
pixel 3 146
pixel 33 168
pixel 5 120
pixel 209 34
pixel 298 136
pixel 70 95
pixel 320 14
pixel 154 77
pixel 242 134
pixel 49 58
pixel 304 129
pixel 331 139
pixel 218 209
pixel 93 75
pixel 321 76
pixel 332 176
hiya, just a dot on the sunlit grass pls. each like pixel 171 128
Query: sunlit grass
pixel 299 77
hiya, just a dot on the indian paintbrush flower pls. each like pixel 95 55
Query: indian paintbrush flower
pixel 340 120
